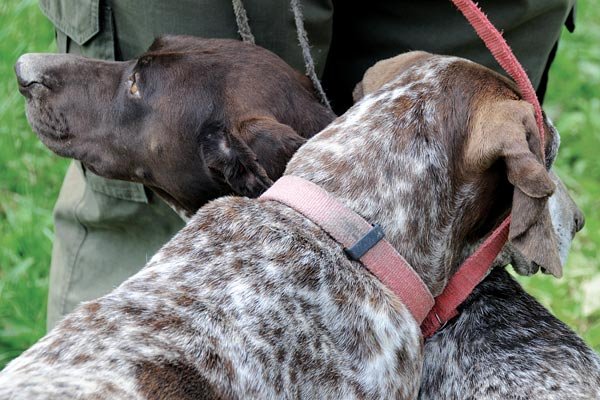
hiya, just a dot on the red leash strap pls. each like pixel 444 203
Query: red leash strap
pixel 503 54
pixel 470 274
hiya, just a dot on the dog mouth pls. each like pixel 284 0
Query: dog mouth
pixel 47 129
pixel 521 266
pixel 530 269
pixel 51 128
pixel 534 268
pixel 33 90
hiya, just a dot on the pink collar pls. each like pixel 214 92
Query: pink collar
pixel 362 241
pixel 365 243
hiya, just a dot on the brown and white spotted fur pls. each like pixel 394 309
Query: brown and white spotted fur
pixel 504 344
pixel 252 300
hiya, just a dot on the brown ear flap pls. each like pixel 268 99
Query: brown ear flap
pixel 274 143
pixel 507 130
pixel 358 92
pixel 159 43
pixel 232 160
pixel 385 71
pixel 532 234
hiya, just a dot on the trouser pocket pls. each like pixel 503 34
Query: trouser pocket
pixel 84 28
pixel 100 240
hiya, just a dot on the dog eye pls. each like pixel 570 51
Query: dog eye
pixel 133 87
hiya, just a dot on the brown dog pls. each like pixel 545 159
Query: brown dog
pixel 192 118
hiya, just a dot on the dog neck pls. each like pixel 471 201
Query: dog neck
pixel 391 168
pixel 362 241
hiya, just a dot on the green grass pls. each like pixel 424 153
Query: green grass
pixel 29 181
pixel 30 177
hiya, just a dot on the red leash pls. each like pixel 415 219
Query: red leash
pixel 477 266
pixel 461 285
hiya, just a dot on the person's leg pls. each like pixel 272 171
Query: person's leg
pixel 103 236
pixel 363 35
pixel 107 230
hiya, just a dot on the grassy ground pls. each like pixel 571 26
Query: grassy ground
pixel 29 181
pixel 30 177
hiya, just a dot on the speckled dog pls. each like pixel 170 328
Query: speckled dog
pixel 253 300
pixel 505 344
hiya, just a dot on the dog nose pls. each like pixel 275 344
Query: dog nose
pixel 27 69
pixel 579 220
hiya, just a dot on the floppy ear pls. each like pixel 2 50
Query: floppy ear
pixel 507 130
pixel 233 161
pixel 567 220
pixel 273 143
pixel 160 42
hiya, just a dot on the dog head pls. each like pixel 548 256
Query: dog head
pixel 191 118
pixel 438 150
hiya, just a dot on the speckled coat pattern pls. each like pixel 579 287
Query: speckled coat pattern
pixel 505 345
pixel 251 300
pixel 231 320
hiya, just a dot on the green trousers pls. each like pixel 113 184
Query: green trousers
pixel 106 230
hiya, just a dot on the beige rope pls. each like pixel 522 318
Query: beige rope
pixel 309 63
pixel 241 18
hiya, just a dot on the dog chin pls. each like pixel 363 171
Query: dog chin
pixel 45 129
pixel 58 147
pixel 521 265
pixel 58 142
